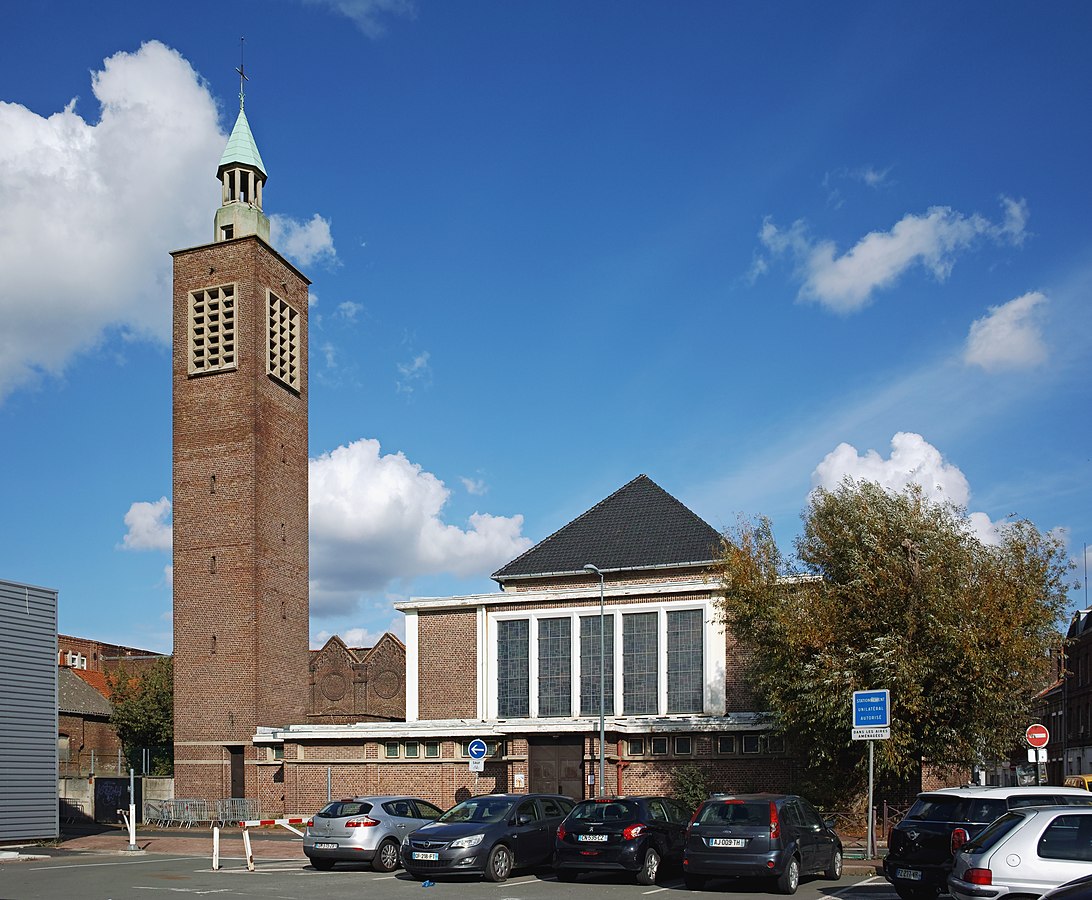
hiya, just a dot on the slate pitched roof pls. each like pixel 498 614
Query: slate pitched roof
pixel 639 526
pixel 74 695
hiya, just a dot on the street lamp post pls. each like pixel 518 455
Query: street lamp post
pixel 602 684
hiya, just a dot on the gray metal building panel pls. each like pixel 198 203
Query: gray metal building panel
pixel 28 712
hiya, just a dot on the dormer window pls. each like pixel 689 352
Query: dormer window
pixel 227 232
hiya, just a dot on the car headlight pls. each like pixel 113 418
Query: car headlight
pixel 471 840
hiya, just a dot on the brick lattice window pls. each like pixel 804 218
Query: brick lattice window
pixel 283 361
pixel 212 330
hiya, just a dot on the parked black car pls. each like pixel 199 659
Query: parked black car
pixel 633 834
pixel 921 848
pixel 489 835
pixel 778 836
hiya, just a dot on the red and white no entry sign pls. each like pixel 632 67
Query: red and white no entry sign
pixel 1037 735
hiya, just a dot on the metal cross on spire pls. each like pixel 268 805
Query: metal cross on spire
pixel 242 72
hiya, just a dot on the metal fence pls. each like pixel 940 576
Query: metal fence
pixel 179 812
pixel 187 813
pixel 237 809
pixel 84 763
pixel 73 810
pixel 852 830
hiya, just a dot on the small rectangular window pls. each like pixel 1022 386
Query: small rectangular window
pixel 659 746
pixel 726 743
pixel 752 743
pixel 684 746
pixel 412 749
pixel 775 743
pixel 432 749
pixel 636 747
pixel 390 749
pixel 278 751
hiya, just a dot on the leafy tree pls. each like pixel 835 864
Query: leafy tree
pixel 691 786
pixel 143 712
pixel 892 591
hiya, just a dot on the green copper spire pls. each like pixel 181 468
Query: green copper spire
pixel 241 149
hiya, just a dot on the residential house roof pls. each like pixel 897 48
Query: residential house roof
pixel 76 696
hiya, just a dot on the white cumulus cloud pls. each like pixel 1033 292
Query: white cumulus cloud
pixel 149 526
pixel 845 283
pixel 303 242
pixel 1008 337
pixel 88 212
pixel 93 198
pixel 913 460
pixel 377 519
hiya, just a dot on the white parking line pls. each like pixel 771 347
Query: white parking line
pixel 133 862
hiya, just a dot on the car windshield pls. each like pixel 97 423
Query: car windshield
pixel 620 811
pixel 992 833
pixel 947 808
pixel 735 812
pixel 339 809
pixel 478 809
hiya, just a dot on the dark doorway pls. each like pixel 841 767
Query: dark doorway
pixel 557 765
pixel 238 781
pixel 112 796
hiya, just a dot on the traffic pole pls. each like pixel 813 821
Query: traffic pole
pixel 868 815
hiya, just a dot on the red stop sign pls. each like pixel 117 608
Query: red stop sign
pixel 1037 735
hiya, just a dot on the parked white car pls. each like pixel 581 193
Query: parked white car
pixel 1024 853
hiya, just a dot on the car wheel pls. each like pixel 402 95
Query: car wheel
pixel 694 882
pixel 650 866
pixel 834 870
pixel 789 880
pixel 567 875
pixel 499 866
pixel 323 865
pixel 386 857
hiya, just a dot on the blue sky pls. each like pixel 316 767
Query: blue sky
pixel 742 248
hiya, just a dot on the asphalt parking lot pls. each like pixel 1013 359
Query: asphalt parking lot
pixel 102 876
pixel 94 864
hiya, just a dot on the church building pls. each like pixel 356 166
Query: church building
pixel 600 664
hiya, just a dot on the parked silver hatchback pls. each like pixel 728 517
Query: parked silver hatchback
pixel 364 829
pixel 1024 853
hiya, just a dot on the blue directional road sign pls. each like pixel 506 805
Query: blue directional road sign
pixel 477 749
pixel 871 715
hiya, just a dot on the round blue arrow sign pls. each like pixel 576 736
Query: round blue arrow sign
pixel 476 749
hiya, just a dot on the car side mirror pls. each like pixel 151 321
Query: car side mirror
pixel 524 820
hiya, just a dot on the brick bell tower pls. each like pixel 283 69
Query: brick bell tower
pixel 239 390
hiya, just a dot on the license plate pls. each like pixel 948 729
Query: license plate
pixel 418 855
pixel 727 842
pixel 325 845
pixel 908 874
pixel 594 838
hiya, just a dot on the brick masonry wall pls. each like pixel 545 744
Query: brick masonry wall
pixel 447 645
pixel 103 657
pixel 240 545
pixel 299 781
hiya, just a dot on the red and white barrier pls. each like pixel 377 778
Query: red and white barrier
pixel 253 823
